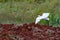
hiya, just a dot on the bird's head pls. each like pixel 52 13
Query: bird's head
pixel 38 15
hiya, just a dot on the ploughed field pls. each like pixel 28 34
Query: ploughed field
pixel 28 32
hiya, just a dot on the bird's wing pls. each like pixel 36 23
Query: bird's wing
pixel 45 15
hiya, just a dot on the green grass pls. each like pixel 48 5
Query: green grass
pixel 25 11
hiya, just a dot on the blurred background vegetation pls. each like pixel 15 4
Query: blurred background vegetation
pixel 25 11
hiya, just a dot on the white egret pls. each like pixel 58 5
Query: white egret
pixel 44 16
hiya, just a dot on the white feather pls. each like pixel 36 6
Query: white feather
pixel 44 16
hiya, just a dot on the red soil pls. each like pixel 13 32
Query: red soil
pixel 28 32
